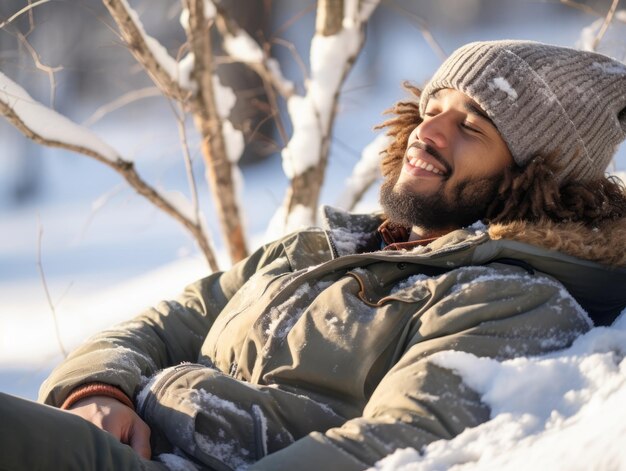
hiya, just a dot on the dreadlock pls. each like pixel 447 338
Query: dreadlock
pixel 529 193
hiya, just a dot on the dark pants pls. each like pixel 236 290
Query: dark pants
pixel 37 437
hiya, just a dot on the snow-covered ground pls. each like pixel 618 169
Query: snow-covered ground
pixel 563 411
pixel 107 254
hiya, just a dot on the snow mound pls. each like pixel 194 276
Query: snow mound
pixel 558 411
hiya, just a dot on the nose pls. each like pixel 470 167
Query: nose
pixel 436 130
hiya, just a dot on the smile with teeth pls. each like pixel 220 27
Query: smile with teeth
pixel 416 162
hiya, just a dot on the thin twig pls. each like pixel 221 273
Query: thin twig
pixel 272 114
pixel 271 97
pixel 50 71
pixel 581 6
pixel 125 99
pixel 47 291
pixel 605 25
pixel 98 204
pixel 191 180
pixel 290 21
pixel 423 28
pixel 31 20
pixel 22 11
pixel 296 56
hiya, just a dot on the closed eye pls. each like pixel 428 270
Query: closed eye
pixel 470 128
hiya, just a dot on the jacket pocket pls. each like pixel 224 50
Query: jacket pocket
pixel 375 294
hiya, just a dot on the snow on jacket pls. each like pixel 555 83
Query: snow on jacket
pixel 313 355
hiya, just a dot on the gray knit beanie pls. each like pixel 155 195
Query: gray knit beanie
pixel 544 99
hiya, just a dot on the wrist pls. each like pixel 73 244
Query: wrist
pixel 96 389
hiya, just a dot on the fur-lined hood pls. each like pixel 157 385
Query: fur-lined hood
pixel 605 244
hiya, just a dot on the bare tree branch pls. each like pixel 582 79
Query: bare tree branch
pixel 50 71
pixel 98 204
pixel 120 102
pixel 31 20
pixel 422 26
pixel 291 21
pixel 581 6
pixel 191 180
pixel 26 9
pixel 57 334
pixel 589 10
pixel 142 47
pixel 296 56
pixel 125 168
pixel 607 21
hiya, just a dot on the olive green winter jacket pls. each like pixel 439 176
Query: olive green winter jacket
pixel 312 354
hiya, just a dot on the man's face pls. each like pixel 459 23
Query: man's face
pixel 453 165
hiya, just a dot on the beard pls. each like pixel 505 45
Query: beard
pixel 467 203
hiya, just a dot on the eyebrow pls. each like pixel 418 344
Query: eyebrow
pixel 470 108
pixel 475 110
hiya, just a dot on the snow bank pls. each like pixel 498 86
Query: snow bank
pixel 560 411
pixel 26 340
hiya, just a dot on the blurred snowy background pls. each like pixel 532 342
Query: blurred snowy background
pixel 107 253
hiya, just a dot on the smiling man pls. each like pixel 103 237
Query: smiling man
pixel 501 237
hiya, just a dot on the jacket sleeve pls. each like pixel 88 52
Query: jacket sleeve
pixel 170 333
pixel 418 402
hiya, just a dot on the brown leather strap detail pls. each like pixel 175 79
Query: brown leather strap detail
pixel 96 389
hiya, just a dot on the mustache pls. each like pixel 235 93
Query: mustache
pixel 434 153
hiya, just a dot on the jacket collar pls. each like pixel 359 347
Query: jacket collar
pixel 356 233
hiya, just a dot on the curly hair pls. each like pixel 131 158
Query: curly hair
pixel 529 193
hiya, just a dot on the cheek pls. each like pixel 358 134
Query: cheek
pixel 413 136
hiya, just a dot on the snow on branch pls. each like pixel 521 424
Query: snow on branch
pixel 155 59
pixel 331 58
pixel 241 47
pixel 334 49
pixel 365 172
pixel 47 127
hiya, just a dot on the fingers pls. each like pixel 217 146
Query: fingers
pixel 139 438
pixel 119 420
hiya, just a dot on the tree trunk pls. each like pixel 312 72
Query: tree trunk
pixel 208 123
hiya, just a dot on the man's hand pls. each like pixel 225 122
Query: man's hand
pixel 116 418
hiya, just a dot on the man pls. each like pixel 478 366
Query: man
pixel 313 353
